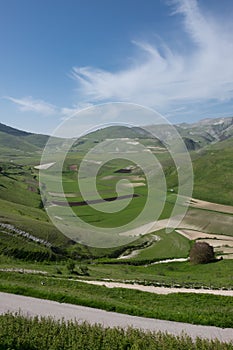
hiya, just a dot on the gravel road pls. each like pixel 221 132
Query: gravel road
pixel 32 307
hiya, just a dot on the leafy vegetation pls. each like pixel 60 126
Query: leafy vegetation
pixel 201 253
pixel 18 332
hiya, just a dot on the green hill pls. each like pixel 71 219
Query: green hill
pixel 16 142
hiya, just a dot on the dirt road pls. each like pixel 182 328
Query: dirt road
pixel 159 290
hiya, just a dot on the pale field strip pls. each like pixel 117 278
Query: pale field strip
pixel 92 161
pixel 147 228
pixel 133 184
pixel 44 166
pixel 228 256
pixel 165 261
pixel 221 243
pixel 62 195
pixel 193 235
pixel 22 270
pixel 218 243
pixel 130 177
pixel 197 203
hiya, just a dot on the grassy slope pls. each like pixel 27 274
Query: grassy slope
pixel 20 248
pixel 18 186
pixel 214 164
pixel 170 245
pixel 16 144
pixel 32 220
pixel 216 310
pixel 212 167
pixel 216 274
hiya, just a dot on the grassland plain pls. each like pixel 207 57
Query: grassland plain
pixel 26 216
pixel 216 310
pixel 18 332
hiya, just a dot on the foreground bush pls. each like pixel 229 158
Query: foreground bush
pixel 20 333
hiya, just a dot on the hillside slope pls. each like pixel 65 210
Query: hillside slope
pixel 15 140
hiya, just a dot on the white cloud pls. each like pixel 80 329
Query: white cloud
pixel 29 104
pixel 171 78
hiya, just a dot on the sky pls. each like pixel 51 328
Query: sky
pixel 59 56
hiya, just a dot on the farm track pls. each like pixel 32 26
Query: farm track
pixel 159 290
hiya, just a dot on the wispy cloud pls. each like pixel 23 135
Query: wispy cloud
pixel 29 104
pixel 67 112
pixel 170 79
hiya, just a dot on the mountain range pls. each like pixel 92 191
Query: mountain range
pixel 196 135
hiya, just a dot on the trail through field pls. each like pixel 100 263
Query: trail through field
pixel 62 195
pixel 165 261
pixel 22 270
pixel 29 306
pixel 159 290
pixel 135 252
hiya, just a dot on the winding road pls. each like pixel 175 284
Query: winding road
pixel 31 307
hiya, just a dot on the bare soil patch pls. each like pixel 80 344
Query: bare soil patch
pixel 44 166
pixel 197 203
pixel 134 184
pixel 221 243
pixel 193 235
pixel 62 195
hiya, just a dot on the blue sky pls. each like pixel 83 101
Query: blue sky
pixel 60 56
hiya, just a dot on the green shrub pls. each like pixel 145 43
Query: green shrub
pixel 201 253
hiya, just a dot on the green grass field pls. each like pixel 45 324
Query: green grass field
pixel 214 275
pixel 169 245
pixel 216 310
